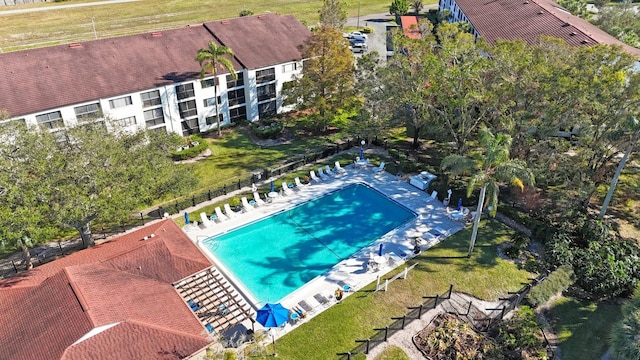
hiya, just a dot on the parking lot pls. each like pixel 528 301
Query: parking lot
pixel 376 41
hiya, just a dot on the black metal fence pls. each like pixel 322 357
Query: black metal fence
pixel 399 323
pixel 482 323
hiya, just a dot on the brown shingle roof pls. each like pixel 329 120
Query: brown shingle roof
pixel 48 78
pixel 530 19
pixel 125 279
pixel 262 40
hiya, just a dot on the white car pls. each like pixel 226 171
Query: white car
pixel 357 34
pixel 359 48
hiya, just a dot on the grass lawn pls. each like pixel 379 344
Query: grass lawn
pixel 484 275
pixel 51 27
pixel 583 327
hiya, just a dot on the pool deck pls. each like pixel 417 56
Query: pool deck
pixel 352 271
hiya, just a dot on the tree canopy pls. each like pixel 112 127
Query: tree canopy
pixel 333 13
pixel 79 175
pixel 327 82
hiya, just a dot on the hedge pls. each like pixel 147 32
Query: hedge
pixel 192 151
pixel 556 282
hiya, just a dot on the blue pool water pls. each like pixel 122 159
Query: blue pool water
pixel 276 255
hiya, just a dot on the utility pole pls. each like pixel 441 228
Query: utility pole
pixel 358 24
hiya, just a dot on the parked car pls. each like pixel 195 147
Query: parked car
pixel 356 41
pixel 357 34
pixel 359 48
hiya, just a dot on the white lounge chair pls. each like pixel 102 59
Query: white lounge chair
pixel 433 196
pixel 258 200
pixel 322 174
pixel 328 171
pixel 299 184
pixel 205 220
pixel 380 168
pixel 220 215
pixel 246 206
pixel 313 176
pixel 339 169
pixel 285 188
pixel 230 213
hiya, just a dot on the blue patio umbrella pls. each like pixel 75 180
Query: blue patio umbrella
pixel 380 250
pixel 186 218
pixel 361 154
pixel 273 188
pixel 459 204
pixel 272 315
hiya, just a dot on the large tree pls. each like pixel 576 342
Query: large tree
pixel 214 59
pixel 326 85
pixel 407 82
pixel 333 14
pixel 24 160
pixel 488 170
pixel 84 174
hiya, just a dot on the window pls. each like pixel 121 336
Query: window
pixel 120 102
pixel 238 114
pixel 154 117
pixel 289 67
pixel 267 109
pixel 236 97
pixel 128 121
pixel 86 112
pixel 184 91
pixel 208 82
pixel 190 126
pixel 235 83
pixel 265 76
pixel 150 98
pixel 52 120
pixel 209 102
pixel 187 109
pixel 212 119
pixel 266 92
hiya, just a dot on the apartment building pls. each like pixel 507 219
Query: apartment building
pixel 527 20
pixel 152 80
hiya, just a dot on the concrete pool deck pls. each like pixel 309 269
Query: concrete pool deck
pixel 352 271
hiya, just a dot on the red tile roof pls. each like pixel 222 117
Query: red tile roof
pixel 531 19
pixel 124 280
pixel 144 342
pixel 262 40
pixel 48 78
pixel 409 25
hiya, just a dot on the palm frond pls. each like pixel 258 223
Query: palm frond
pixel 477 179
pixel 457 165
pixel 515 171
pixel 493 191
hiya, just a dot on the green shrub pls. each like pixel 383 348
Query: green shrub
pixel 367 30
pixel 555 283
pixel 267 129
pixel 195 146
pixel 521 332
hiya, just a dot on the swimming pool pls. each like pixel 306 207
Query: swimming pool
pixel 276 255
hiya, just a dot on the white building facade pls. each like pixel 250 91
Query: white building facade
pixel 187 106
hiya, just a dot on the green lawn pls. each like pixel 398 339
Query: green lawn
pixel 583 327
pixel 45 28
pixel 484 275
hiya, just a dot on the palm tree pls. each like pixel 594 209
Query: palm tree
pixel 210 59
pixel 488 171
